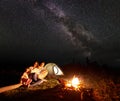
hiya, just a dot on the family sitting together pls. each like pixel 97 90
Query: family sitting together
pixel 34 75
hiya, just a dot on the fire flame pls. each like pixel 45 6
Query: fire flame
pixel 74 83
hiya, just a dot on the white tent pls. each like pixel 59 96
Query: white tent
pixel 53 69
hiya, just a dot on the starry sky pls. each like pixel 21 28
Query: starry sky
pixel 60 31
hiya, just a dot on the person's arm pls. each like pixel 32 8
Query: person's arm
pixel 43 73
pixel 25 75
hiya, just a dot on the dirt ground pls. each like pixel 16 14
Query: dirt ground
pixel 51 90
pixel 53 94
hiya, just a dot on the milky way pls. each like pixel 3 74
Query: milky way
pixel 75 32
pixel 81 39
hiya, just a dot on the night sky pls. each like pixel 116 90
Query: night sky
pixel 60 31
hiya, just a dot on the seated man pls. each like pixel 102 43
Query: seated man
pixel 43 71
pixel 34 72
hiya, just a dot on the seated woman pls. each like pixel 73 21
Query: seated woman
pixel 25 80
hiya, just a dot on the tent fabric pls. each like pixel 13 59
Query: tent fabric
pixel 53 69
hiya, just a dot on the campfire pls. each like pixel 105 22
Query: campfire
pixel 73 84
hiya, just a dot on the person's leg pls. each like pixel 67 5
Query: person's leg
pixel 37 83
pixel 33 76
pixel 28 81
